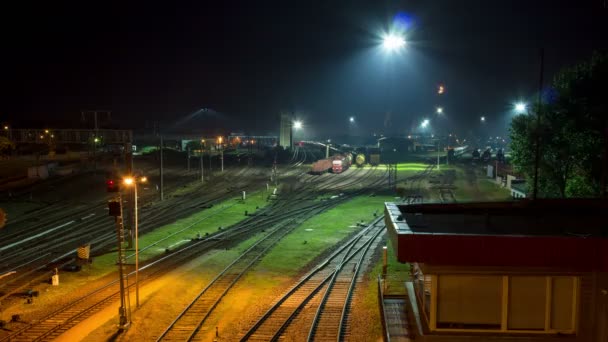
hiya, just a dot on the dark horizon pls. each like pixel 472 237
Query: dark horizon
pixel 248 62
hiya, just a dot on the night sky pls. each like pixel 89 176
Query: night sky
pixel 247 61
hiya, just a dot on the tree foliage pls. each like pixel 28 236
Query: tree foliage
pixel 574 119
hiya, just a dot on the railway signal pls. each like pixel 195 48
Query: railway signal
pixel 114 208
pixel 112 186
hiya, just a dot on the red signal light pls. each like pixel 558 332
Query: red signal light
pixel 111 186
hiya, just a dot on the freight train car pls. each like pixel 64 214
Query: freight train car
pixel 341 163
pixel 374 156
pixel 360 160
pixel 321 166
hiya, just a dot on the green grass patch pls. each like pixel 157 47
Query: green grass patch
pixel 412 167
pixel 181 231
pixel 482 189
pixel 148 149
pixel 320 233
pixel 493 192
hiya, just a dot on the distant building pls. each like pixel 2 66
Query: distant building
pixel 285 131
pixel 511 271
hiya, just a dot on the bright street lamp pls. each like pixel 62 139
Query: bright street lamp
pixel 297 124
pixel 393 42
pixel 424 123
pixel 352 119
pixel 483 119
pixel 439 110
pixel 520 107
pixel 131 181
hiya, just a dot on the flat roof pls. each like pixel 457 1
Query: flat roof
pixel 570 234
pixel 525 217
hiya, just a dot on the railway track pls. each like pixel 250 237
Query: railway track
pixel 187 324
pixel 56 248
pixel 327 289
pixel 55 324
pixel 189 321
pixel 414 193
pixel 86 307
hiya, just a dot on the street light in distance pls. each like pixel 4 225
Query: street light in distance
pixel 352 119
pixel 483 119
pixel 424 123
pixel 297 124
pixel 439 110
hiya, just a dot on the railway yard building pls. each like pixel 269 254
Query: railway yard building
pixel 503 271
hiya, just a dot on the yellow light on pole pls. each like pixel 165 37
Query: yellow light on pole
pixel 5 127
pixel 128 181
pixel 143 179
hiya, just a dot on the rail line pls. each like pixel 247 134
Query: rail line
pixel 83 307
pixel 333 277
pixel 189 321
pixel 31 267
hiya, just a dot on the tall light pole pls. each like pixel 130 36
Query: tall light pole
pixel 297 124
pixel 437 153
pixel 201 162
pixel 132 181
pixel 162 178
pixel 220 140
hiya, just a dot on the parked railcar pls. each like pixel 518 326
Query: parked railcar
pixel 374 156
pixel 321 166
pixel 360 160
pixel 339 165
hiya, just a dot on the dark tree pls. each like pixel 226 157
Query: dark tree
pixel 572 133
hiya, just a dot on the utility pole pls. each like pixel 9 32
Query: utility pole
pixel 538 124
pixel 131 217
pixel 221 153
pixel 124 309
pixel 201 164
pixel 136 244
pixel 162 194
pixel 437 154
pixel 327 150
pixel 188 157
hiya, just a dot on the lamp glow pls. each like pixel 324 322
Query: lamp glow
pixel 520 107
pixel 392 42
